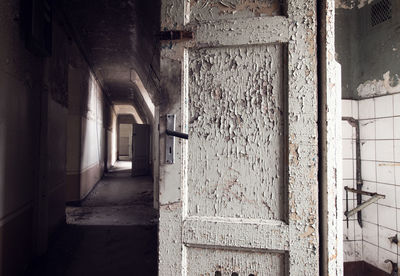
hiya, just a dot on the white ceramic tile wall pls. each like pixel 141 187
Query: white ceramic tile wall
pixel 352 233
pixel 380 155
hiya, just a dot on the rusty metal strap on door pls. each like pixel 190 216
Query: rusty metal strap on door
pixel 176 35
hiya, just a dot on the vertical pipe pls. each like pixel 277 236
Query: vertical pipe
pixel 359 183
pixel 358 171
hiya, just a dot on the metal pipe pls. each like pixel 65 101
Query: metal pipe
pixel 359 192
pixel 359 183
pixel 347 207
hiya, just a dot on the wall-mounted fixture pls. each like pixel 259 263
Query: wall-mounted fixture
pixel 394 239
pixel 395 268
pixel 381 12
pixel 374 197
pixel 176 35
pixel 170 139
pixel 359 182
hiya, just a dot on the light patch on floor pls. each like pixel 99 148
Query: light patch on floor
pixel 117 199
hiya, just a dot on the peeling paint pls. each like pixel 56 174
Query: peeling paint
pixel 247 177
pixel 371 88
pixel 229 261
pixel 352 4
pixel 244 131
pixel 206 10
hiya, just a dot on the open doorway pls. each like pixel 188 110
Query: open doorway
pixel 125 142
pixel 125 128
pixel 368 50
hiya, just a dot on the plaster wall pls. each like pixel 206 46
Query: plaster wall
pixel 20 89
pixel 87 132
pixel 112 139
pixel 33 113
pixel 369 55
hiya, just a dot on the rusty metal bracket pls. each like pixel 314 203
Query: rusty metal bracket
pixel 374 197
pixel 176 35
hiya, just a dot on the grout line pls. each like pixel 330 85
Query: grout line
pixel 394 174
pixel 375 183
pixel 376 176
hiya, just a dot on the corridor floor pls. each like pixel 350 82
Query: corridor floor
pixel 113 232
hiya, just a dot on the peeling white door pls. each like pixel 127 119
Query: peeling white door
pixel 140 150
pixel 242 196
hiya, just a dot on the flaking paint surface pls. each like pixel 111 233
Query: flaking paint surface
pixel 298 30
pixel 208 10
pixel 389 84
pixel 206 262
pixel 236 126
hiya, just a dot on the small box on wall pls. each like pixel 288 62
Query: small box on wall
pixel 37 26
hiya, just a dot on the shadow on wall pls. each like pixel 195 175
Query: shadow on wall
pixel 19 162
pixel 21 84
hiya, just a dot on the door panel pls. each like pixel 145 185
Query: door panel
pixel 203 261
pixel 236 129
pixel 247 176
pixel 141 150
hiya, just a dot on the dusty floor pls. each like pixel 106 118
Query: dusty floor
pixel 114 232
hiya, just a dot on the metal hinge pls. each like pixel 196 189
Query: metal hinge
pixel 176 35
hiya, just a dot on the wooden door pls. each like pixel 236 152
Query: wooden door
pixel 242 196
pixel 140 150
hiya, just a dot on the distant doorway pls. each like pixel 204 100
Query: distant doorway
pixel 125 142
pixel 124 133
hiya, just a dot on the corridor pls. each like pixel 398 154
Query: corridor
pixel 112 232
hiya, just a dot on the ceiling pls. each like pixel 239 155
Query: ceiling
pixel 119 39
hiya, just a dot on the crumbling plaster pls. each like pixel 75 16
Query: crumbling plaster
pixel 369 55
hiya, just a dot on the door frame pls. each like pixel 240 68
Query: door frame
pixel 330 139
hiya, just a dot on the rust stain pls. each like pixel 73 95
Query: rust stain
pixel 312 172
pixel 294 154
pixel 389 165
pixel 171 206
pixel 295 216
pixel 310 230
pixel 311 44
